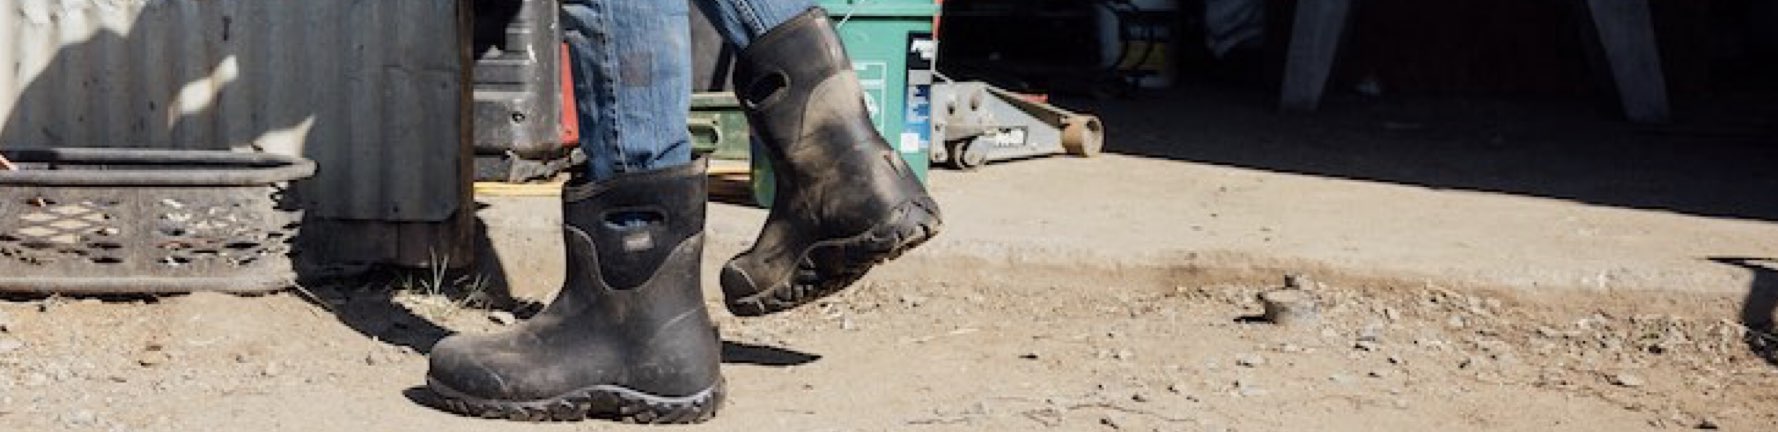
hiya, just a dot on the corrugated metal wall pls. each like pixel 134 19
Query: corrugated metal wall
pixel 372 90
pixel 368 88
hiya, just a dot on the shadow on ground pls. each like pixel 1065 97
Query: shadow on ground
pixel 732 353
pixel 366 300
pixel 1715 161
pixel 365 297
pixel 1758 308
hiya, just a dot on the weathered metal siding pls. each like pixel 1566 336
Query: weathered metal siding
pixel 369 89
pixel 373 90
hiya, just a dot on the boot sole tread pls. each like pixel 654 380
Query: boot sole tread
pixel 608 402
pixel 913 224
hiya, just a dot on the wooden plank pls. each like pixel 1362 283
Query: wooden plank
pixel 1626 32
pixel 1314 42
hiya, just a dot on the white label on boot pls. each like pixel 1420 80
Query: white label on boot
pixel 640 240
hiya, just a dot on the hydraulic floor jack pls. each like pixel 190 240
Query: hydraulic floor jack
pixel 980 123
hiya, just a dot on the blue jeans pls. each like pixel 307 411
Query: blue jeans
pixel 632 73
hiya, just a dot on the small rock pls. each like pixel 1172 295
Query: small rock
pixel 1139 397
pixel 1250 360
pixel 1108 422
pixel 1028 356
pixel 847 324
pixel 9 345
pixel 502 317
pixel 1626 379
pixel 1340 378
pixel 1492 345
pixel 1248 389
pixel 80 418
pixel 1298 281
pixel 152 357
pixel 61 374
pixel 5 322
pixel 1123 354
pixel 1466 363
pixel 1395 360
pixel 373 359
pixel 1504 358
pixel 1290 307
pixel 1455 322
pixel 36 379
pixel 1378 373
pixel 1549 333
pixel 912 301
pixel 1391 314
pixel 1708 423
pixel 272 369
pixel 1365 345
pixel 1371 332
pixel 1290 348
pixel 1176 388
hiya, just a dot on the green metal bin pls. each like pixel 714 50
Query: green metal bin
pixel 718 126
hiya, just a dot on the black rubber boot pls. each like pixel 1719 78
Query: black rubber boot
pixel 627 338
pixel 845 200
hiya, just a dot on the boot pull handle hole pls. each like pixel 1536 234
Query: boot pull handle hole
pixel 765 89
pixel 631 218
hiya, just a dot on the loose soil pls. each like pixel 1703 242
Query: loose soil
pixel 935 353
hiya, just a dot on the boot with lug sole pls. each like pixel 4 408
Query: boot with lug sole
pixel 628 336
pixel 845 200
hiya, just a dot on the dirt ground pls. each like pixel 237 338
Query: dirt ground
pixel 1012 353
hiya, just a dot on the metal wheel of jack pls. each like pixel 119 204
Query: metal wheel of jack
pixel 965 155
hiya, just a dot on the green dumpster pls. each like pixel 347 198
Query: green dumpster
pixel 718 126
pixel 891 46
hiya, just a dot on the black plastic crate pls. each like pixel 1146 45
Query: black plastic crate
pixel 115 221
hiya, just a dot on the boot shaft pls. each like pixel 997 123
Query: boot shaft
pixel 634 222
pixel 802 95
